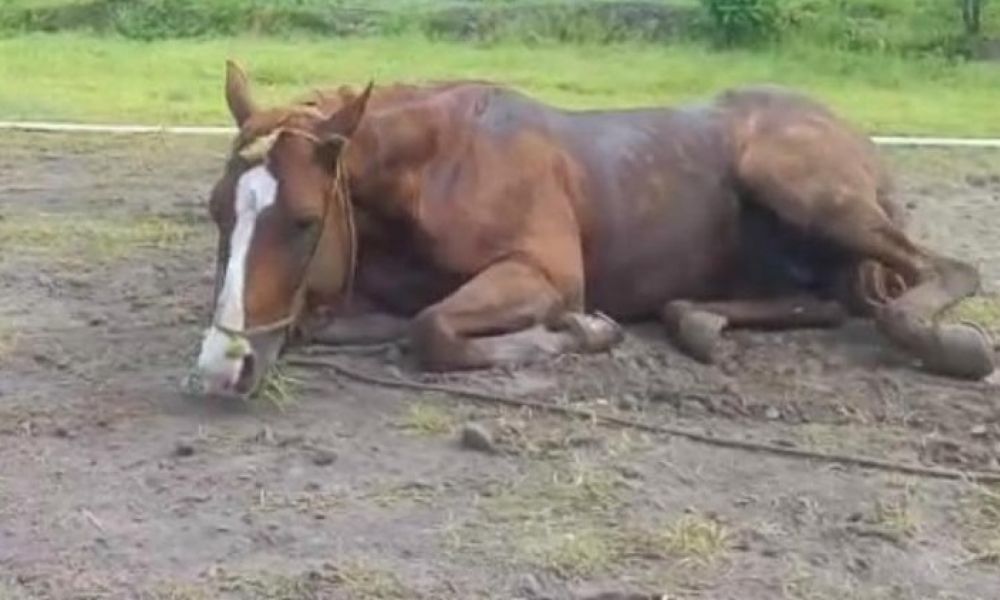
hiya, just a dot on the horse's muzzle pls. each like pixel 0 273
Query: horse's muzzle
pixel 227 364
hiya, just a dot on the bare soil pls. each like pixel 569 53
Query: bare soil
pixel 114 484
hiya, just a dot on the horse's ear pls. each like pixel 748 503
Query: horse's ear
pixel 343 123
pixel 241 106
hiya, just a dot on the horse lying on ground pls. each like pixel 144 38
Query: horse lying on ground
pixel 492 229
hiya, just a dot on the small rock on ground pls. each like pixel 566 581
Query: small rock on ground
pixel 323 457
pixel 476 437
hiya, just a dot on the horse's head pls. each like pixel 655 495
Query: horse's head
pixel 286 233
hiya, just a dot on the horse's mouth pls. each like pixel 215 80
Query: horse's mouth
pixel 246 380
pixel 242 387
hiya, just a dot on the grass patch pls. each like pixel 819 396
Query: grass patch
pixel 272 586
pixel 176 591
pixel 428 419
pixel 313 503
pixel 542 436
pixel 457 19
pixel 574 521
pixel 982 310
pixel 884 439
pixel 897 516
pixel 354 580
pixel 695 538
pixel 367 583
pixel 86 237
pixel 278 390
pixel 563 522
pixel 982 524
pixel 397 494
pixel 92 79
pixel 905 27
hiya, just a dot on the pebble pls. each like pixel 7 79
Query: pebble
pixel 183 448
pixel 629 402
pixel 476 437
pixel 323 457
pixel 772 413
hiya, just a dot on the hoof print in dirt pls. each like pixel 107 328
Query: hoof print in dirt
pixel 478 438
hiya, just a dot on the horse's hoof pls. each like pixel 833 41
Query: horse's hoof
pixel 960 350
pixel 596 332
pixel 697 333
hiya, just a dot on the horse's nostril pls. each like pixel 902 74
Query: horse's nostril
pixel 246 369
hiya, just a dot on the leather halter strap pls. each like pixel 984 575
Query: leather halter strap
pixel 341 195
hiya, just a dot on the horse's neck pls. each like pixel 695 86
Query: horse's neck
pixel 386 162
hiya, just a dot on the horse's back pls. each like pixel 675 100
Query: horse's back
pixel 653 196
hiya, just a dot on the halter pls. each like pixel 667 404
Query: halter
pixel 341 193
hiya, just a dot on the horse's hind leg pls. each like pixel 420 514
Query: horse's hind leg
pixel 696 327
pixel 508 314
pixel 935 284
pixel 819 189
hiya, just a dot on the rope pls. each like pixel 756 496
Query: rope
pixel 987 477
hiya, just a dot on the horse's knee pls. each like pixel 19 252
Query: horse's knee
pixel 437 346
pixel 429 336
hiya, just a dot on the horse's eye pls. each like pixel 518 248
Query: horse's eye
pixel 305 224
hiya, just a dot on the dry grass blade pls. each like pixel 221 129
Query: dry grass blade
pixel 278 390
pixel 697 538
pixel 424 418
pixel 982 512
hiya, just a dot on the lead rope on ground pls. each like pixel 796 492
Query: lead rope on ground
pixel 982 477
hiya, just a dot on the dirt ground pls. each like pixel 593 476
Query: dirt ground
pixel 114 484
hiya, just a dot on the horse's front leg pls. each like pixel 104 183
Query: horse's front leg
pixel 509 314
pixel 360 324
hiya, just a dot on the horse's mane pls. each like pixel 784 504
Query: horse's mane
pixel 258 133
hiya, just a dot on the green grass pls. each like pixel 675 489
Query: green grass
pixel 695 538
pixel 982 524
pixel 74 77
pixel 353 579
pixel 278 390
pixel 576 520
pixel 567 523
pixel 984 310
pixel 72 236
pixel 427 419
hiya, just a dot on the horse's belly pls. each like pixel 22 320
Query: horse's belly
pixel 688 252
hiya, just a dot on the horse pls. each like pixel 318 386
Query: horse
pixel 487 228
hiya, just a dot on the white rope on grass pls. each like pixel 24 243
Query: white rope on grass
pixel 940 142
pixel 114 129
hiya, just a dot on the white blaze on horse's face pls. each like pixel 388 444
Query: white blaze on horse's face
pixel 225 360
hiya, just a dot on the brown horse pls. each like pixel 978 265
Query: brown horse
pixel 489 228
